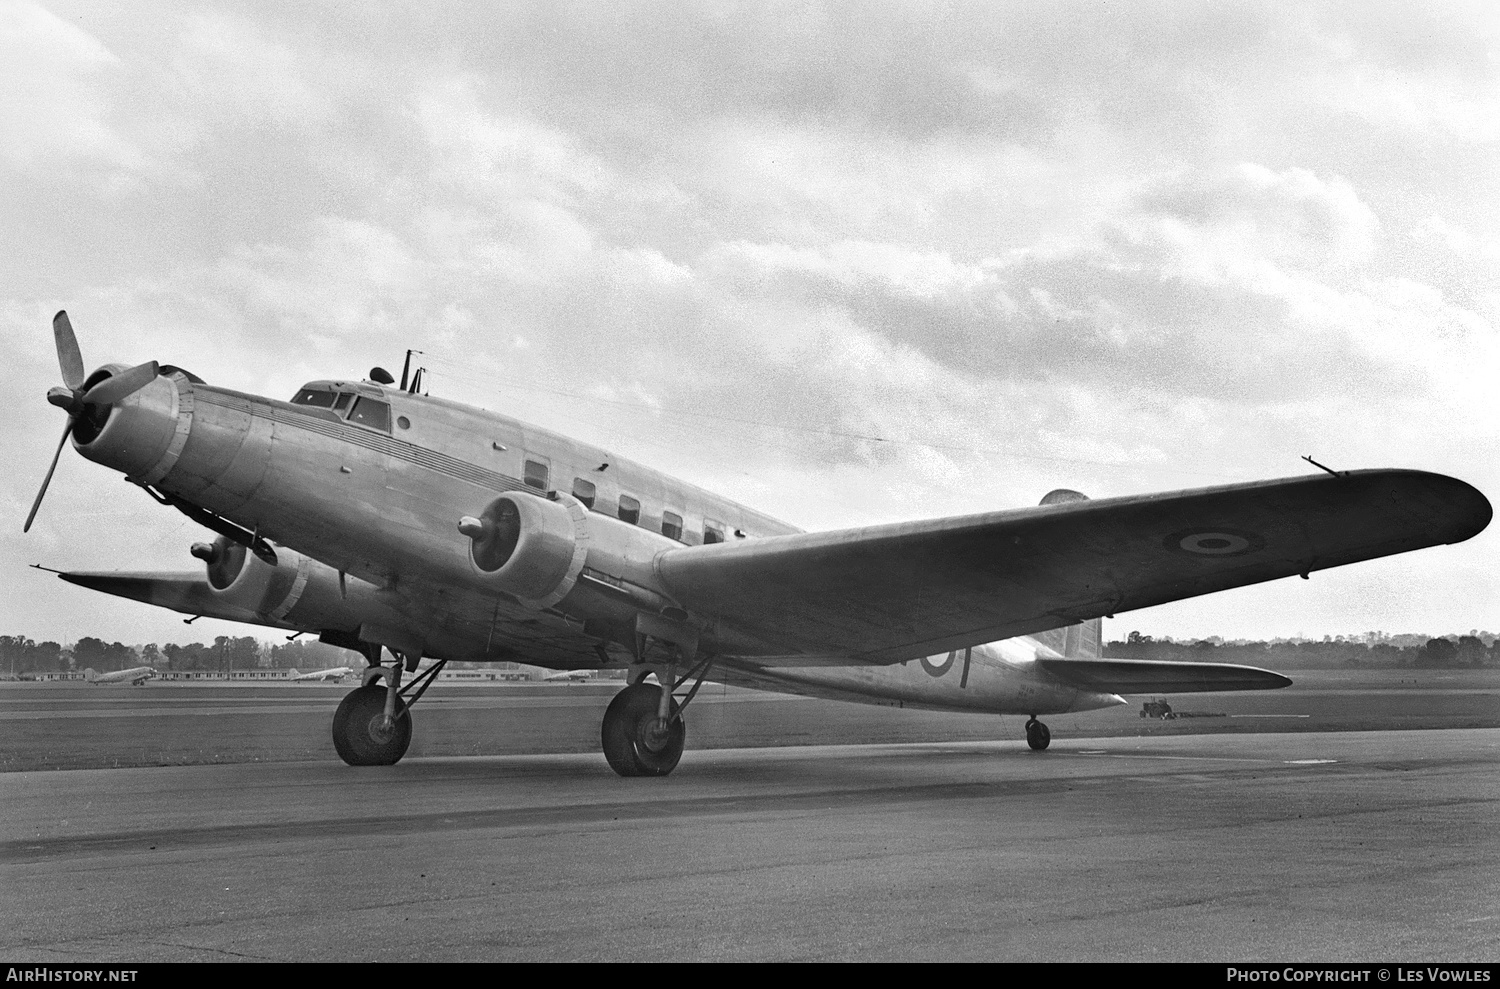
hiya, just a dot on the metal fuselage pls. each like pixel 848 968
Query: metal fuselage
pixel 362 494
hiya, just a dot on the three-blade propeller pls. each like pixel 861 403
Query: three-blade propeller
pixel 74 399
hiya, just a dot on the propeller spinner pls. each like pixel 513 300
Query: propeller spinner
pixel 74 399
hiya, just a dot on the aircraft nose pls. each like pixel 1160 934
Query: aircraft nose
pixel 134 433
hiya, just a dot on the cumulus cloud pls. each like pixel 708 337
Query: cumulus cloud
pixel 55 115
pixel 847 262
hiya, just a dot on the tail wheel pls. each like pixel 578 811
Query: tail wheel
pixel 359 731
pixel 635 741
pixel 1038 735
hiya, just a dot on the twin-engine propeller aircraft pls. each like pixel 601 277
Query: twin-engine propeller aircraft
pixel 380 518
pixel 135 677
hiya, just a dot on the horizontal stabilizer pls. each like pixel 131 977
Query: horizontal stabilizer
pixel 1143 676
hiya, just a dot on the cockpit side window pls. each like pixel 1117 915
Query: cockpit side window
pixel 342 402
pixel 371 413
pixel 316 397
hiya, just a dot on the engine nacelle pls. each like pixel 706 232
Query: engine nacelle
pixel 239 577
pixel 528 546
pixel 298 592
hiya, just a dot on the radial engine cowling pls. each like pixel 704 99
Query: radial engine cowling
pixel 528 546
pixel 242 579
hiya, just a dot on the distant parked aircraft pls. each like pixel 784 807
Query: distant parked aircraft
pixel 135 676
pixel 569 675
pixel 337 673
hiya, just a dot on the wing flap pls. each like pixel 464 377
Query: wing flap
pixel 1143 676
pixel 891 593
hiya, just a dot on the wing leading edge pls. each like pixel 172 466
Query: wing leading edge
pixel 897 592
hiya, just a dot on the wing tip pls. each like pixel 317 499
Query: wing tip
pixel 1457 509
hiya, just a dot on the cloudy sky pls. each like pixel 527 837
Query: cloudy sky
pixel 847 263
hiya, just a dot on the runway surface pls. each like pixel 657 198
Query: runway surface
pixel 1294 846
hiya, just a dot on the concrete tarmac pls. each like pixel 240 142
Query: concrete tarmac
pixel 1356 846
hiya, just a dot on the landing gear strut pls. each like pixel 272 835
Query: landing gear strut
pixel 1038 735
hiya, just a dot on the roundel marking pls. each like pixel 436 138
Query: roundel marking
pixel 938 669
pixel 1214 542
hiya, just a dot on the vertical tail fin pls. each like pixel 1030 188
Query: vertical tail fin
pixel 1084 640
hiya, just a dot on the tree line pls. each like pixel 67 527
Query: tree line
pixel 19 654
pixel 1448 652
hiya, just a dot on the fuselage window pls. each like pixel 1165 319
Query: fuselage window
pixel 671 525
pixel 315 398
pixel 584 491
pixel 536 475
pixel 713 532
pixel 369 412
pixel 630 509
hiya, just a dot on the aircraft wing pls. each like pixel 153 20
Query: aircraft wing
pixel 891 593
pixel 1141 676
pixel 188 593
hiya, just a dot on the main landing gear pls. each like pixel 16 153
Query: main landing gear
pixel 1038 735
pixel 372 726
pixel 643 733
pixel 363 735
pixel 636 742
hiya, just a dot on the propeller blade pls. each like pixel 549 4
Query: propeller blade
pixel 111 390
pixel 67 431
pixel 68 357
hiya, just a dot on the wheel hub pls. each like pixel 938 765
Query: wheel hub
pixel 380 732
pixel 655 734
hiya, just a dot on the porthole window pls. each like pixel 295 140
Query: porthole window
pixel 403 422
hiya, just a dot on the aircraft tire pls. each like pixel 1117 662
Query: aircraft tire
pixel 1038 735
pixel 624 733
pixel 357 732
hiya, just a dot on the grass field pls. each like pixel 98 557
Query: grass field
pixel 76 725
